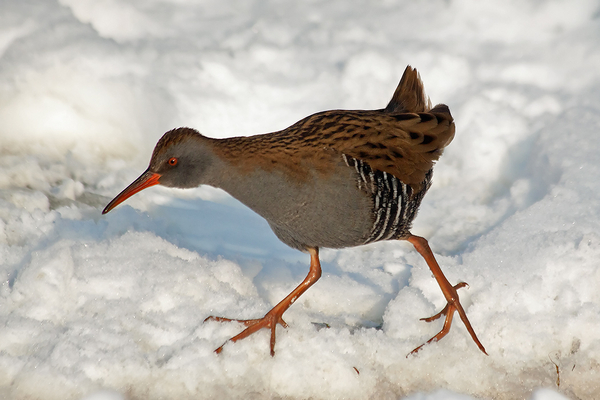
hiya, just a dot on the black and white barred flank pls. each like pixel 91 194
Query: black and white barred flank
pixel 395 204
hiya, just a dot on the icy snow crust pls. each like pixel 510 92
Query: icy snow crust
pixel 111 307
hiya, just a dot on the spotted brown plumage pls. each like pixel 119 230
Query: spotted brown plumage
pixel 404 145
pixel 334 179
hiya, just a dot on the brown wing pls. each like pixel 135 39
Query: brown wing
pixel 404 145
pixel 404 139
pixel 408 137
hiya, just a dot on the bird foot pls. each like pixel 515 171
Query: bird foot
pixel 445 310
pixel 452 306
pixel 274 316
pixel 270 320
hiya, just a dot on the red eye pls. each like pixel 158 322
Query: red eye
pixel 172 161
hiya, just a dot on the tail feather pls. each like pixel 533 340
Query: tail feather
pixel 409 96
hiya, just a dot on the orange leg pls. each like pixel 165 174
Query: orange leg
pixel 450 294
pixel 274 317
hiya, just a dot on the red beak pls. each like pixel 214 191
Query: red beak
pixel 145 180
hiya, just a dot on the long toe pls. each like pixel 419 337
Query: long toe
pixel 270 321
pixel 445 309
pixel 247 322
pixel 438 315
pixel 448 311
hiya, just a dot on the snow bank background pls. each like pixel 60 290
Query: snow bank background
pixel 111 307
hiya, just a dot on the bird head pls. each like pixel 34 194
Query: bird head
pixel 179 160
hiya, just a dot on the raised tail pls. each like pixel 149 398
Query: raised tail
pixel 409 96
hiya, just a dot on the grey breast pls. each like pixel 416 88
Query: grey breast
pixel 321 211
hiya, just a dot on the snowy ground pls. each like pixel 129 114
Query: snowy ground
pixel 111 307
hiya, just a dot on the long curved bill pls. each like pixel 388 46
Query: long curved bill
pixel 145 180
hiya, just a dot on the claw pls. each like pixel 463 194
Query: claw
pixel 450 294
pixel 448 311
pixel 270 320
pixel 274 316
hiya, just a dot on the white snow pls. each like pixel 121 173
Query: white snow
pixel 112 307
